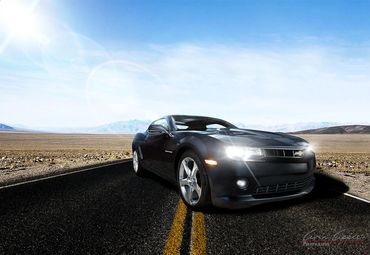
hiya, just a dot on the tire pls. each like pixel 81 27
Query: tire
pixel 193 197
pixel 136 163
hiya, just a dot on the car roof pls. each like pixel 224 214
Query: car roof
pixel 192 118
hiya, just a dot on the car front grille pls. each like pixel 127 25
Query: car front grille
pixel 284 187
pixel 283 153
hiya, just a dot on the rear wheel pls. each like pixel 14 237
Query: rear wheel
pixel 137 164
pixel 193 181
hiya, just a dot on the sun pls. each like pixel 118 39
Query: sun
pixel 18 19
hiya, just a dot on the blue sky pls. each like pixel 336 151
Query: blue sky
pixel 85 63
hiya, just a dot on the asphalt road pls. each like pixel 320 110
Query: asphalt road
pixel 109 210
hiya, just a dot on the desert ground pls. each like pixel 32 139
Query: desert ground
pixel 26 156
pixel 31 155
pixel 345 156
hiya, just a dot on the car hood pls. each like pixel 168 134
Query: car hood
pixel 255 138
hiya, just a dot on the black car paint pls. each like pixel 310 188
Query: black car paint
pixel 161 152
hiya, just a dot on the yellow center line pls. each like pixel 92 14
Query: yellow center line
pixel 198 234
pixel 174 240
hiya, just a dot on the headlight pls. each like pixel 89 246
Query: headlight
pixel 242 153
pixel 307 147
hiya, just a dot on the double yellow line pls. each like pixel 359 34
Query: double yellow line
pixel 198 232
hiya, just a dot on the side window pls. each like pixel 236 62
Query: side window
pixel 214 126
pixel 182 126
pixel 161 122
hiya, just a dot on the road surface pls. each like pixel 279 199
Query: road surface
pixel 109 210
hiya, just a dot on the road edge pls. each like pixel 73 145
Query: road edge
pixel 356 197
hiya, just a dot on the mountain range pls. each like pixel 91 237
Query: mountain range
pixel 4 127
pixel 290 127
pixel 119 127
pixel 348 129
pixel 135 126
pixel 127 127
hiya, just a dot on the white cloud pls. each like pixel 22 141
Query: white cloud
pixel 90 86
pixel 261 85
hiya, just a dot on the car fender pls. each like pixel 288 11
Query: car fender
pixel 199 144
pixel 138 139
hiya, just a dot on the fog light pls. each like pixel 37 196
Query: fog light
pixel 242 184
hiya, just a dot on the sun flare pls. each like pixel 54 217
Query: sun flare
pixel 18 19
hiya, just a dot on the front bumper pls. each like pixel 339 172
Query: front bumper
pixel 268 181
pixel 245 201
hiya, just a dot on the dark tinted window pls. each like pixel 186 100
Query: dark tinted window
pixel 200 123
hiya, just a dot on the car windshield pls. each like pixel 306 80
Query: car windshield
pixel 200 123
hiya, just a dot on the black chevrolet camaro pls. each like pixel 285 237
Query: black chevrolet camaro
pixel 214 162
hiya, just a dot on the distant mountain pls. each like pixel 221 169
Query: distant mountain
pixel 135 126
pixel 120 127
pixel 346 129
pixel 4 127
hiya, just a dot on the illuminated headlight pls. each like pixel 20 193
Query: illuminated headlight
pixel 243 153
pixel 307 147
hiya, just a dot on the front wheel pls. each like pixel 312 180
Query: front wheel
pixel 193 181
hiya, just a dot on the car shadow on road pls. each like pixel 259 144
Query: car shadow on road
pixel 326 187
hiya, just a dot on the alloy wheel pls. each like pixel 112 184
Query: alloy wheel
pixel 190 181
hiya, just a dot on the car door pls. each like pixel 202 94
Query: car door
pixel 153 147
pixel 169 149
